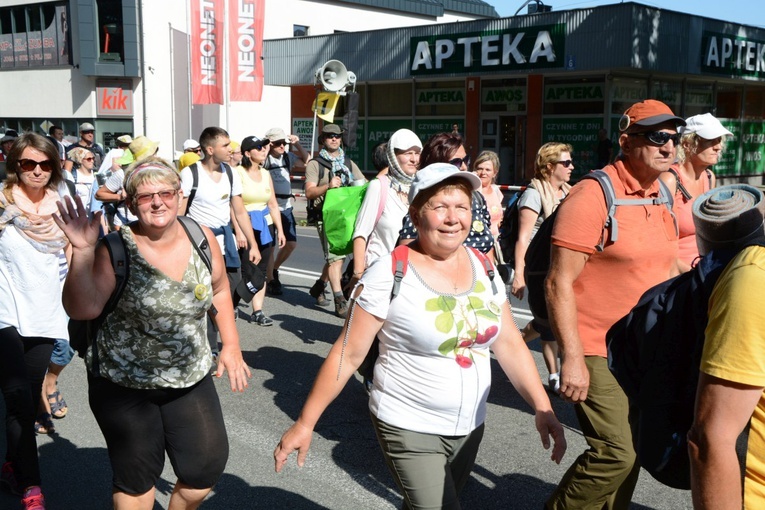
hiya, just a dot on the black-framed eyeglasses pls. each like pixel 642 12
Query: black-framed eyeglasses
pixel 279 143
pixel 166 195
pixel 27 165
pixel 566 163
pixel 458 162
pixel 333 136
pixel 659 138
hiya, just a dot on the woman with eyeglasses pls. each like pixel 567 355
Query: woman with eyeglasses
pixel 260 202
pixel 542 196
pixel 151 391
pixel 30 290
pixel 702 141
pixel 449 148
pixel 83 176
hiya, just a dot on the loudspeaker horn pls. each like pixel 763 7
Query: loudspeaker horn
pixel 333 76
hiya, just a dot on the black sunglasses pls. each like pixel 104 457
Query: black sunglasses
pixel 458 162
pixel 333 136
pixel 659 138
pixel 279 143
pixel 566 163
pixel 27 165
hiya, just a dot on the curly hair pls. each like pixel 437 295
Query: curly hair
pixel 689 145
pixel 549 154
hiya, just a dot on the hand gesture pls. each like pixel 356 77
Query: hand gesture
pixel 73 220
pixel 574 379
pixel 293 140
pixel 298 437
pixel 254 254
pixel 335 182
pixel 231 360
pixel 548 425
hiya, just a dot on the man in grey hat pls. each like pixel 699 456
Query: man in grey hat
pixel 6 142
pixel 730 398
pixel 332 168
pixel 88 141
pixel 588 290
pixel 280 162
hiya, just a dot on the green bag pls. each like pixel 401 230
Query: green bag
pixel 341 206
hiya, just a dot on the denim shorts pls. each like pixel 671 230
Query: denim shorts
pixel 62 353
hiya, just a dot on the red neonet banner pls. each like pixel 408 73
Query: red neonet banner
pixel 207 51
pixel 246 20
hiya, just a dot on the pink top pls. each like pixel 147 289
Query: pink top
pixel 687 249
pixel 494 205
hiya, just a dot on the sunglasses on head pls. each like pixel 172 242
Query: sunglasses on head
pixel 146 198
pixel 659 138
pixel 458 162
pixel 566 163
pixel 279 143
pixel 333 136
pixel 27 165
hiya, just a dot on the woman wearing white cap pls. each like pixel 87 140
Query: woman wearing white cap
pixel 432 379
pixel 700 148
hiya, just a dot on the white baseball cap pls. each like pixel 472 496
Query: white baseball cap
pixel 436 173
pixel 706 126
pixel 190 144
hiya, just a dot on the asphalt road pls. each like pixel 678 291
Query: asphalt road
pixel 345 469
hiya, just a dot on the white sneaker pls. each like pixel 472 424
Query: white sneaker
pixel 553 383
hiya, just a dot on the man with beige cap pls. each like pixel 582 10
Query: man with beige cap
pixel 285 153
pixel 88 141
pixel 589 289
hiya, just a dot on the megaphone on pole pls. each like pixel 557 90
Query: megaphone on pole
pixel 333 77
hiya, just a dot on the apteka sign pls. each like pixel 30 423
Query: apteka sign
pixel 493 50
pixel 732 55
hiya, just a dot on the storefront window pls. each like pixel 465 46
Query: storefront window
pixel 698 99
pixel 111 48
pixel 754 106
pixel 390 99
pixel 503 95
pixel 440 98
pixel 34 35
pixel 669 93
pixel 728 111
pixel 625 92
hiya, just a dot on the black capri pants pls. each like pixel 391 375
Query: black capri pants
pixel 139 426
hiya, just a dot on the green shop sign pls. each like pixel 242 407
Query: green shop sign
pixel 732 55
pixel 425 128
pixel 752 148
pixel 491 50
pixel 574 93
pixel 440 96
pixel 503 95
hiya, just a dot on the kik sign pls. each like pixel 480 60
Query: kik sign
pixel 492 50
pixel 115 99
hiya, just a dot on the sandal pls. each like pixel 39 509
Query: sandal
pixel 44 424
pixel 58 407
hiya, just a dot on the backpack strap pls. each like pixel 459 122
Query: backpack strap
pixel 686 194
pixel 611 226
pixel 230 175
pixel 384 185
pixel 399 265
pixel 488 267
pixel 195 183
pixel 198 239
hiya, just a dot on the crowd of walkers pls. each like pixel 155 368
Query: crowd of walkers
pixel 422 301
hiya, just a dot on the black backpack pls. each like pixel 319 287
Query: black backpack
pixel 508 229
pixel 82 333
pixel 538 254
pixel 654 353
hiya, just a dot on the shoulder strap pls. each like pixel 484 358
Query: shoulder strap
pixel 71 188
pixel 709 176
pixel 488 267
pixel 680 186
pixel 198 239
pixel 194 169
pixel 399 264
pixel 120 258
pixel 230 175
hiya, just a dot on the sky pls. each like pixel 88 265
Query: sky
pixel 747 12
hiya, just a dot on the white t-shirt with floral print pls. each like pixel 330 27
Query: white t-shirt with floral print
pixel 433 374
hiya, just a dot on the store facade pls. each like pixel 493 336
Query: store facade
pixel 512 84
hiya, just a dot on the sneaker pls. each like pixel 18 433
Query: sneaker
pixel 317 292
pixel 341 307
pixel 274 287
pixel 33 499
pixel 260 319
pixel 8 479
pixel 553 383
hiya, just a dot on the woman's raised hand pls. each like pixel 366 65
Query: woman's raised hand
pixel 73 220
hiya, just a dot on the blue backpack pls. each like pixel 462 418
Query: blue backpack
pixel 654 352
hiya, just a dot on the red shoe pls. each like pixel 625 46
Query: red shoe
pixel 33 499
